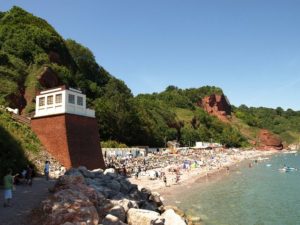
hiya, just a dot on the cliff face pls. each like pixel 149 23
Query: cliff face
pixel 217 105
pixel 269 141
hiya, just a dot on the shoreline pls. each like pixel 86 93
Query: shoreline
pixel 198 175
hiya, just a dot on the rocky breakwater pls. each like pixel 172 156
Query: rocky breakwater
pixel 103 197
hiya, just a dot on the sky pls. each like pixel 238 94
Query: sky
pixel 249 48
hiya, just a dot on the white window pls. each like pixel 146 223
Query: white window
pixel 71 99
pixel 79 100
pixel 58 98
pixel 41 101
pixel 50 100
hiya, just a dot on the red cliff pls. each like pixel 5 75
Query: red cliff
pixel 269 141
pixel 217 105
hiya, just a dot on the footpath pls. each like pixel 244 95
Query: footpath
pixel 25 198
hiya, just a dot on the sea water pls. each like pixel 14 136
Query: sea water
pixel 257 195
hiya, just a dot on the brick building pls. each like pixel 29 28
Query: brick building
pixel 68 129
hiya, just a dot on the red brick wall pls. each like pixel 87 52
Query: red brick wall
pixel 73 140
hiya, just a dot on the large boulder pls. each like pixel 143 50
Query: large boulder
pixel 171 218
pixel 112 220
pixel 86 173
pixel 66 181
pixel 142 217
pixel 156 198
pixel 119 212
pixel 175 208
pixel 69 206
pixel 269 141
pixel 111 172
pixel 114 185
pixel 125 203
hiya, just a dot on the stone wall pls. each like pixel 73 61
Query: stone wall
pixel 72 139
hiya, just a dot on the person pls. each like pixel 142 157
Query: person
pixel 47 169
pixel 165 180
pixel 29 174
pixel 177 177
pixel 8 187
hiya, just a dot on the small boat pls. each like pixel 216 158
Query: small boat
pixel 287 169
pixel 268 165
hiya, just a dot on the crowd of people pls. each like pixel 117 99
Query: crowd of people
pixel 172 168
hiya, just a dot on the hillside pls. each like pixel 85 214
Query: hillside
pixel 34 57
pixel 18 144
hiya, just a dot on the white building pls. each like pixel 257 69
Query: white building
pixel 204 145
pixel 62 100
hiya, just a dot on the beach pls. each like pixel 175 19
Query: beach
pixel 203 164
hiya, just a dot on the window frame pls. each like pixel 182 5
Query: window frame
pixel 58 97
pixel 71 96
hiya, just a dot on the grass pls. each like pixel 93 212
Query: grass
pixel 20 132
pixel 185 115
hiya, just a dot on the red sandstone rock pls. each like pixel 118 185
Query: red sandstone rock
pixel 269 141
pixel 54 57
pixel 48 78
pixel 217 105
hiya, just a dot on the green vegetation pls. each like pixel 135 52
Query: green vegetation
pixel 112 144
pixel 183 120
pixel 29 44
pixel 17 141
pixel 281 122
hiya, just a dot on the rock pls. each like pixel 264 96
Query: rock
pixel 104 208
pixel 146 191
pixel 98 173
pixel 155 197
pixel 73 172
pixel 175 208
pixel 217 105
pixel 119 212
pixel 119 196
pixel 48 78
pixel 148 206
pixel 133 187
pixel 69 180
pixel 54 57
pixel 137 195
pixel 86 173
pixel 69 206
pixel 269 141
pixel 106 192
pixel 125 186
pixel 142 217
pixel 114 185
pixel 171 218
pixel 125 203
pixel 111 172
pixel 112 220
pixel 194 220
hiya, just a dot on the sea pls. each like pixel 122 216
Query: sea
pixel 257 195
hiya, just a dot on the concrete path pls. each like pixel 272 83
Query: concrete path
pixel 25 198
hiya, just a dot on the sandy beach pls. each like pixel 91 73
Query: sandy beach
pixel 209 163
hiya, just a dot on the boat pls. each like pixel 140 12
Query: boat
pixel 287 169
